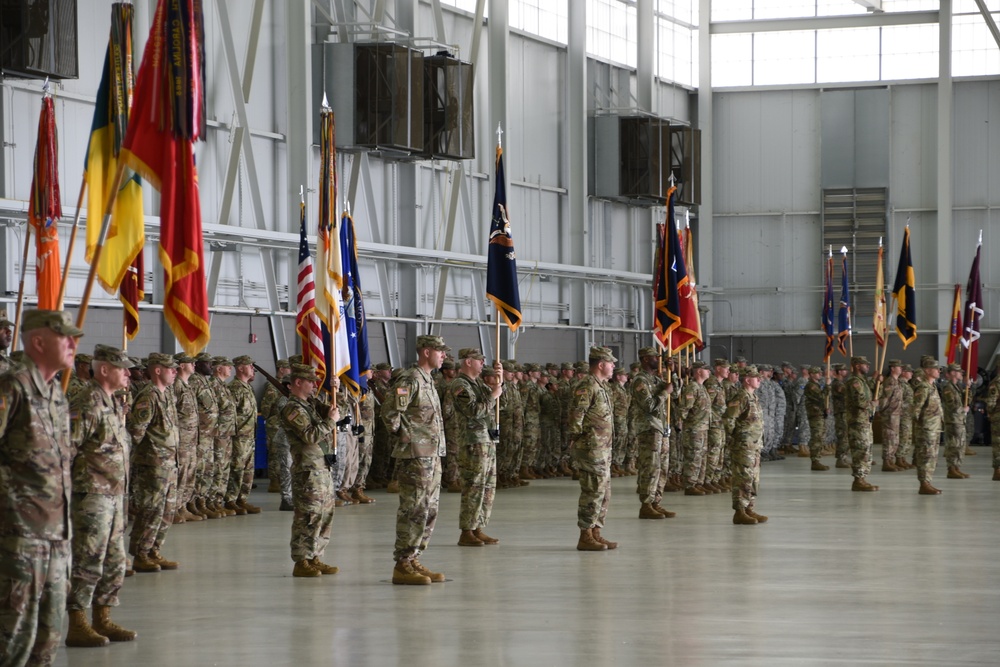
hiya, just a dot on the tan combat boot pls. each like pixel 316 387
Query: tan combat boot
pixel 142 563
pixel 435 577
pixel 741 518
pixel 596 532
pixel 588 543
pixel 234 508
pixel 841 464
pixel 751 513
pixel 803 452
pixel 927 490
pixel 484 538
pixel 247 507
pixel 273 486
pixel 647 511
pixel 304 568
pixel 996 475
pixel 816 465
pixel 665 512
pixel 861 484
pixel 81 633
pixel 190 515
pixel 105 626
pixel 469 539
pixel 164 564
pixel 889 466
pixel 322 567
pixel 178 518
pixel 404 573
pixel 207 510
pixel 360 497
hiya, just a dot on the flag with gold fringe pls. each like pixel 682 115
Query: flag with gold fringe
pixel 45 208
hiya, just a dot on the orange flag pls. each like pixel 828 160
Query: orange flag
pixel 46 209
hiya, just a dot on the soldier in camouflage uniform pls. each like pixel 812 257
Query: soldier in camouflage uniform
pixel 565 393
pixel 744 412
pixel 100 478
pixel 766 400
pixel 776 418
pixel 442 382
pixel 208 417
pixel 225 427
pixel 35 465
pixel 346 468
pixel 152 424
pixel 531 399
pixel 716 431
pixel 890 405
pixel 838 399
pixel 860 409
pixel 694 409
pixel 244 438
pixel 955 411
pixel 187 438
pixel 620 396
pixel 279 458
pixel 81 375
pixel 591 426
pixel 309 427
pixel 815 401
pixel 6 336
pixel 788 385
pixel 905 452
pixel 927 423
pixel 412 413
pixel 993 412
pixel 474 403
pixel 649 399
pixel 366 431
pixel 550 416
pixel 511 430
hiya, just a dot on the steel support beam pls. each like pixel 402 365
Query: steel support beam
pixel 945 224
pixel 705 222
pixel 240 88
pixel 824 22
pixel 438 21
pixel 645 71
pixel 990 23
pixel 575 225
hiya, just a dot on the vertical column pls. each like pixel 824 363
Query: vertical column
pixel 405 205
pixel 945 227
pixel 300 109
pixel 706 227
pixel 574 223
pixel 645 54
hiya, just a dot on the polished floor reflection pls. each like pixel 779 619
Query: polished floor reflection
pixel 835 577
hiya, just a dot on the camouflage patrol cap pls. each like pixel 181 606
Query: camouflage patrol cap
pixel 839 367
pixel 137 362
pixel 183 358
pixel 431 342
pixel 741 360
pixel 111 355
pixel 765 367
pixel 955 368
pixel 448 365
pixel 894 362
pixel 927 361
pixel 383 366
pixel 750 372
pixel 648 352
pixel 222 361
pixel 859 360
pixel 621 371
pixel 489 371
pixel 635 365
pixel 581 367
pixel 243 360
pixel 509 366
pixel 698 363
pixel 82 358
pixel 4 322
pixel 601 354
pixel 160 359
pixel 204 357
pixel 302 372
pixel 283 363
pixel 721 362
pixel 471 353
pixel 815 369
pixel 787 364
pixel 58 321
pixel 907 368
pixel 531 368
pixel 551 366
pixel 295 359
pixel 567 366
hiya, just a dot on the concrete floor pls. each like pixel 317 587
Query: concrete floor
pixel 835 577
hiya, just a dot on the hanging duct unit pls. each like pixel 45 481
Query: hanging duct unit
pixel 38 39
pixel 449 131
pixel 376 91
pixel 633 157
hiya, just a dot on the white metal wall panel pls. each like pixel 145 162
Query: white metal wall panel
pixel 914 147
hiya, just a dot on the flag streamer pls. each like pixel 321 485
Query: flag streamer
pixel 46 208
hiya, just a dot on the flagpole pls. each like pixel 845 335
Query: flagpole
pixel 20 287
pixel 109 207
pixel 72 241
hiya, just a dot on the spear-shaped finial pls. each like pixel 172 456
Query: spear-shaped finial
pixel 843 250
pixel 831 250
pixel 499 134
pixel 980 237
pixel 326 103
pixel 302 194
pixel 880 242
pixel 687 218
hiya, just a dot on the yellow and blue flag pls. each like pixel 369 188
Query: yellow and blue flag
pixel 904 290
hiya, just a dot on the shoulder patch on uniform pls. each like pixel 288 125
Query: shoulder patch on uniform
pixel 581 392
pixel 402 391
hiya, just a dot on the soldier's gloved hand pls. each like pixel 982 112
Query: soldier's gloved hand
pixel 346 421
pixel 330 460
pixel 358 429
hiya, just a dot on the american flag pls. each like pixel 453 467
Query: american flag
pixel 307 322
